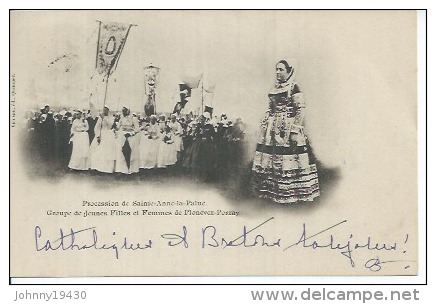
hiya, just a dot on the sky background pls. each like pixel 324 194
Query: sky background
pixel 350 64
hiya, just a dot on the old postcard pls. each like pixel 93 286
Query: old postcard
pixel 213 143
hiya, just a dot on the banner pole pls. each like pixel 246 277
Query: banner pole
pixel 98 42
pixel 202 96
pixel 105 91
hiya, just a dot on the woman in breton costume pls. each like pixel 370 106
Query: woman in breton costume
pixel 80 138
pixel 127 127
pixel 167 149
pixel 283 172
pixel 177 131
pixel 167 154
pixel 190 144
pixel 204 150
pixel 150 144
pixel 103 145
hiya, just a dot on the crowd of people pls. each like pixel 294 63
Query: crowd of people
pixel 283 169
pixel 127 143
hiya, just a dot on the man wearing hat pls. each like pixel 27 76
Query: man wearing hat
pixel 127 145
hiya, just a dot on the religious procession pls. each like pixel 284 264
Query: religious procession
pixel 103 138
pixel 126 142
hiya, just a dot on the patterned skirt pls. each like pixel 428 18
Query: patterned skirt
pixel 283 168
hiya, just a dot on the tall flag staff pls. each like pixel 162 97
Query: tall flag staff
pixel 111 40
pixel 185 88
pixel 202 95
pixel 150 82
pixel 210 90
pixel 98 43
pixel 112 37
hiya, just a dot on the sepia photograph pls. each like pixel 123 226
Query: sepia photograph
pixel 213 143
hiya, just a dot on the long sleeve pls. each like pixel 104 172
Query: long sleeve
pixel 73 127
pixel 98 126
pixel 86 126
pixel 79 126
pixel 107 123
pixel 298 99
pixel 128 124
pixel 135 124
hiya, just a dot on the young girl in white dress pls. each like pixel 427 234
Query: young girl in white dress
pixel 80 138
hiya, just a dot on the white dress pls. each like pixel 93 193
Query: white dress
pixel 177 130
pixel 149 147
pixel 127 125
pixel 167 154
pixel 79 157
pixel 102 154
